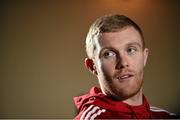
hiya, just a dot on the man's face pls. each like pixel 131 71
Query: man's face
pixel 119 62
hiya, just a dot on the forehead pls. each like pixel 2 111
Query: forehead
pixel 120 38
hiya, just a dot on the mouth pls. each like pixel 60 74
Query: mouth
pixel 124 77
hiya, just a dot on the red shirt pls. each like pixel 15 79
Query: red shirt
pixel 95 105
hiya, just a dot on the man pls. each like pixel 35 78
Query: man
pixel 117 56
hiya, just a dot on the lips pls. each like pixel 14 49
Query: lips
pixel 124 76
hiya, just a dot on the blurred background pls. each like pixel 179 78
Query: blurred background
pixel 42 51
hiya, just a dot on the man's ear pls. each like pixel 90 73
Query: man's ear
pixel 146 53
pixel 90 65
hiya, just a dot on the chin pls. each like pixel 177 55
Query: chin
pixel 125 93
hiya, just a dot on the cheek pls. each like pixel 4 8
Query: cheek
pixel 138 64
pixel 105 70
pixel 108 66
pixel 100 67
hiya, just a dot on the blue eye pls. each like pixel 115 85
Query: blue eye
pixel 108 54
pixel 131 50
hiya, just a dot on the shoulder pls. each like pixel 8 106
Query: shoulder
pixel 90 112
pixel 160 113
pixel 156 109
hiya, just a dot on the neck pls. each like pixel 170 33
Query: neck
pixel 135 100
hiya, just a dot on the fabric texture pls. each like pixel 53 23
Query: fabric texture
pixel 95 105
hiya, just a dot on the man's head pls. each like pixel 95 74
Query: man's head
pixel 117 55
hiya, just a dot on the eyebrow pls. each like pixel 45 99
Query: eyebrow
pixel 134 43
pixel 108 48
pixel 128 44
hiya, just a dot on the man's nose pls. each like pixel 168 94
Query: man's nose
pixel 122 61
